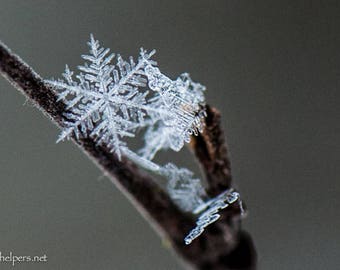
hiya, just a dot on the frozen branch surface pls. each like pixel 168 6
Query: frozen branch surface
pixel 223 246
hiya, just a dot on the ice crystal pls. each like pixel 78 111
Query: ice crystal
pixel 209 212
pixel 181 99
pixel 109 102
pixel 105 103
pixel 184 189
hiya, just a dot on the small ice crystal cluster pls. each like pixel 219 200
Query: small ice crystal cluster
pixel 109 102
pixel 209 212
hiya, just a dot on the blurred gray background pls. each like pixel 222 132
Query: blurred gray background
pixel 271 67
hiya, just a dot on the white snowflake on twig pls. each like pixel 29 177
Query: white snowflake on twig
pixel 109 102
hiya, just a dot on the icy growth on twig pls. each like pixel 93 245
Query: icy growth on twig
pixel 183 188
pixel 183 99
pixel 210 212
pixel 109 102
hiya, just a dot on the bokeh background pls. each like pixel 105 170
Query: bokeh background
pixel 271 67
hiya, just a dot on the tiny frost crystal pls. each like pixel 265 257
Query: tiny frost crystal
pixel 109 102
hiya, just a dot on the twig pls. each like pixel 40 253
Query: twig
pixel 222 246
pixel 211 150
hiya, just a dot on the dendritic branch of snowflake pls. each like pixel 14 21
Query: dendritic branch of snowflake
pixel 109 102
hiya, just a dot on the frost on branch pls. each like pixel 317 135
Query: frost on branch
pixel 181 99
pixel 109 102
pixel 183 188
pixel 209 212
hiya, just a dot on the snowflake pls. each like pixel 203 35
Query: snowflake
pixel 105 103
pixel 109 102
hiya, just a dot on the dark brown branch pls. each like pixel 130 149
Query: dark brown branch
pixel 211 150
pixel 223 246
